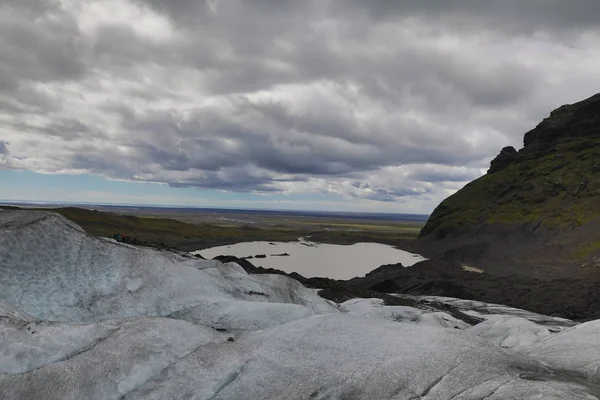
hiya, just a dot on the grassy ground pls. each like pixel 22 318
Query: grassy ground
pixel 194 231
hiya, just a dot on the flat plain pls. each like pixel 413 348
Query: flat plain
pixel 190 229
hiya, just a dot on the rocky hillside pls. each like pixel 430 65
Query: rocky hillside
pixel 541 202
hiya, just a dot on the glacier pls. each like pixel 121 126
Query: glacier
pixel 83 317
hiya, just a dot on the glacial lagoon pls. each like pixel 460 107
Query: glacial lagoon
pixel 311 259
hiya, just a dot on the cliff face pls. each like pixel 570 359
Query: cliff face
pixel 546 194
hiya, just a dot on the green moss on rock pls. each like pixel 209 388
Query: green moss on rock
pixel 554 179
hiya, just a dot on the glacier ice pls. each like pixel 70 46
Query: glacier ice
pixel 52 270
pixel 339 356
pixel 574 351
pixel 510 332
pixel 122 355
pixel 375 308
pixel 88 318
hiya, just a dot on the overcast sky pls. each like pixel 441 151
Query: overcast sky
pixel 372 105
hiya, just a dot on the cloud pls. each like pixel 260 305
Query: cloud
pixel 512 17
pixel 366 100
pixel 4 153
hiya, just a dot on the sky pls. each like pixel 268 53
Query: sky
pixel 350 105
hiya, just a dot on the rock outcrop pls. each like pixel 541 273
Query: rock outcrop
pixel 569 122
pixel 536 204
pixel 502 160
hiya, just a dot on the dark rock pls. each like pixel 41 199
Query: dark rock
pixel 245 264
pixel 507 155
pixel 254 293
pixel 385 286
pixel 571 121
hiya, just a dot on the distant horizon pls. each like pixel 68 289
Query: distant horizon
pixel 21 203
pixel 31 187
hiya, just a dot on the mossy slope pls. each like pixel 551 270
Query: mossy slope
pixel 553 181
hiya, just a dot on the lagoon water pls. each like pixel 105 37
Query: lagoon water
pixel 317 260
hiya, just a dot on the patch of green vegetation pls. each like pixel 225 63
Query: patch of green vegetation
pixel 558 187
pixel 587 250
pixel 345 237
pixel 169 232
pixel 156 230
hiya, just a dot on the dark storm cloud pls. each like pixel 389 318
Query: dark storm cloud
pixel 68 129
pixel 272 137
pixel 3 147
pixel 235 179
pixel 387 195
pixel 39 42
pixel 248 46
pixel 499 14
pixel 503 15
pixel 375 100
pixel 436 173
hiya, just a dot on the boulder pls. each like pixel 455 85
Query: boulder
pixel 507 155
